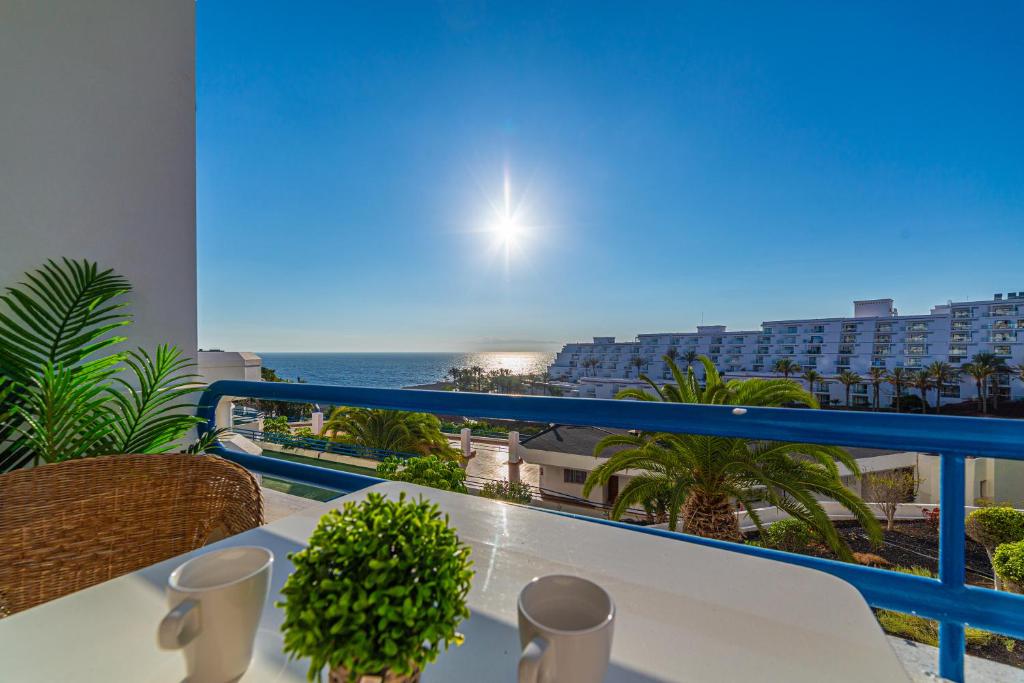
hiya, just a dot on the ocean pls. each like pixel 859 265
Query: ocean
pixel 396 370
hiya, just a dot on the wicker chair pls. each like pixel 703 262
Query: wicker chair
pixel 71 525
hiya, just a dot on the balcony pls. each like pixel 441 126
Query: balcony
pixel 946 599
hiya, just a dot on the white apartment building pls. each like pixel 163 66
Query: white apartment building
pixel 875 336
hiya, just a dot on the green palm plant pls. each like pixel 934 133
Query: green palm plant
pixel 980 374
pixel 848 379
pixel 876 376
pixel 65 395
pixel 399 431
pixel 942 373
pixel 690 357
pixel 898 378
pixel 922 381
pixel 637 362
pixel 704 474
pixel 672 353
pixel 786 367
pixel 812 377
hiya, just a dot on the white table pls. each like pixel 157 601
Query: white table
pixel 685 612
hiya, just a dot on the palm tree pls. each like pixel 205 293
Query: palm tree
pixel 704 474
pixel 637 362
pixel 897 377
pixel 980 369
pixel 672 353
pixel 876 376
pixel 848 379
pixel 922 381
pixel 786 367
pixel 812 377
pixel 690 357
pixel 942 373
pixel 398 431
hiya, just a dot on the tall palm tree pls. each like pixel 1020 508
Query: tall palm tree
pixel 876 376
pixel 785 367
pixel 848 379
pixel 704 474
pixel 898 378
pixel 942 373
pixel 690 357
pixel 980 369
pixel 922 381
pixel 637 362
pixel 812 377
pixel 399 431
pixel 672 353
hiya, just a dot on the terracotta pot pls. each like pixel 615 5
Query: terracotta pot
pixel 340 675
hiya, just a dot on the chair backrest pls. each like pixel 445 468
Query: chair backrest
pixel 71 525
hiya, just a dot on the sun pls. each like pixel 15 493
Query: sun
pixel 507 231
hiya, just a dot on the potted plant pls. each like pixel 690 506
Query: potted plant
pixel 378 593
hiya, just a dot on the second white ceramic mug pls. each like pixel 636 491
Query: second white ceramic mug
pixel 216 600
pixel 565 629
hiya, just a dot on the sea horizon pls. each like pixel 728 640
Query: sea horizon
pixel 394 369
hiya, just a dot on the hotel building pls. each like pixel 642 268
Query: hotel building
pixel 875 336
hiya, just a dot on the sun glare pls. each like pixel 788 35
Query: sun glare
pixel 507 231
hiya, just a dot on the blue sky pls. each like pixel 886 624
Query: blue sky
pixel 667 163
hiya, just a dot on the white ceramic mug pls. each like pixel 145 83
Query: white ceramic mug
pixel 565 629
pixel 216 600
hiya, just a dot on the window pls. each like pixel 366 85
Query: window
pixel 818 328
pixel 860 401
pixel 883 327
pixel 716 340
pixel 915 350
pixel 961 325
pixel 767 330
pixel 917 337
pixel 1001 350
pixel 791 329
pixel 961 313
pixel 846 349
pixel 574 476
pixel 1001 325
pixel 817 340
pixel 917 326
pixel 849 327
pixel 737 340
pixel 983 488
pixel 848 338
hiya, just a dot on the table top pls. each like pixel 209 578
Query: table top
pixel 684 612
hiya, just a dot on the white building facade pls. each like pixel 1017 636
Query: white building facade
pixel 875 336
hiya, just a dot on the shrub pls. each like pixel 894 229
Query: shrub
pixel 890 488
pixel 790 535
pixel 512 491
pixel 382 586
pixel 428 471
pixel 926 631
pixel 931 516
pixel 276 425
pixel 992 526
pixel 1008 563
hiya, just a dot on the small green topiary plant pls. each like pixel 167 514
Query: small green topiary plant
pixel 790 535
pixel 512 491
pixel 379 591
pixel 1008 563
pixel 993 526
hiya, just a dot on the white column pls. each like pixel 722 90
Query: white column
pixel 513 456
pixel 223 413
pixel 318 423
pixel 513 447
pixel 466 442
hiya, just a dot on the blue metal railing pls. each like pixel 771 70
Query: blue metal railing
pixel 954 439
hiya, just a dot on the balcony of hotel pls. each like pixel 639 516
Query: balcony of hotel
pixel 103 136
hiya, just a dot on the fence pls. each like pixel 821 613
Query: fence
pixel 947 599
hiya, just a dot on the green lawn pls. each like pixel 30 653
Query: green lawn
pixel 306 490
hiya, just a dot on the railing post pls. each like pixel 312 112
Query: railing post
pixel 951 561
pixel 465 441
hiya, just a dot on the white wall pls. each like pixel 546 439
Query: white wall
pixel 216 365
pixel 97 149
